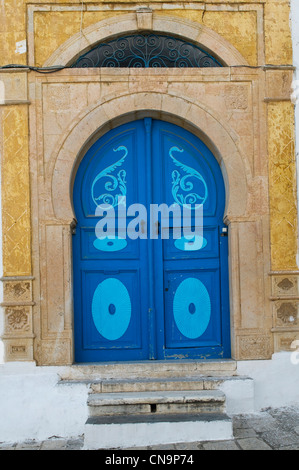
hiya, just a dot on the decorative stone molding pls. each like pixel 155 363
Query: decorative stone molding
pixel 17 290
pixel 285 284
pixel 210 127
pixel 236 97
pixel 285 307
pixel 287 313
pixel 255 347
pixel 18 320
pixel 284 341
pixel 144 19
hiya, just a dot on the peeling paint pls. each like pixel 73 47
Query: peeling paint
pixel 21 47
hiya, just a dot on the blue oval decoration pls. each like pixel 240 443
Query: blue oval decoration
pixel 111 309
pixel 192 308
pixel 195 243
pixel 110 244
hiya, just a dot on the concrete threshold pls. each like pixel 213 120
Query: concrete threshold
pixel 149 369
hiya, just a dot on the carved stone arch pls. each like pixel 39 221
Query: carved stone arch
pixel 81 42
pixel 94 122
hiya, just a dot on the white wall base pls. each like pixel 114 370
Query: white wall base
pixel 34 406
pixel 276 382
pixel 239 395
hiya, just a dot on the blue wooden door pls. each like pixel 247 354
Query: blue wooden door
pixel 191 295
pixel 149 297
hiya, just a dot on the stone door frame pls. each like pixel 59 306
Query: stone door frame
pixel 56 151
pixel 248 231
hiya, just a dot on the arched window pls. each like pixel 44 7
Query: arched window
pixel 145 51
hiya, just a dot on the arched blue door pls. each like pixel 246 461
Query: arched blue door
pixel 149 296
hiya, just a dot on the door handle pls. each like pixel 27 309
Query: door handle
pixel 224 232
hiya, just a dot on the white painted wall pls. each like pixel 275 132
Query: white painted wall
pixel 276 382
pixel 34 406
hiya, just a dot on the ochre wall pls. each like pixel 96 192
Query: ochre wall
pixel 52 29
pixel 15 191
pixel 240 27
pixel 282 177
pixel 258 29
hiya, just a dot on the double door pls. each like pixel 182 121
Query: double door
pixel 150 280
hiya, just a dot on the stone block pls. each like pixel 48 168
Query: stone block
pixel 18 349
pixel 144 19
pixel 285 285
pixel 279 84
pixel 13 87
pixel 253 443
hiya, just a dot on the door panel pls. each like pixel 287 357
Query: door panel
pixel 108 249
pixel 150 299
pixel 188 292
pixel 182 249
pixel 110 274
pixel 191 309
pixel 114 297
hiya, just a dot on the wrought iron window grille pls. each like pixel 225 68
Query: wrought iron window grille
pixel 147 50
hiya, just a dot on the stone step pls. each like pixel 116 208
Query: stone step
pixel 142 403
pixel 148 369
pixel 120 432
pixel 157 384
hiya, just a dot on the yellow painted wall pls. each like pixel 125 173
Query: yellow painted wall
pixel 12 30
pixel 53 28
pixel 15 192
pixel 282 179
pixel 239 28
pixel 278 40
